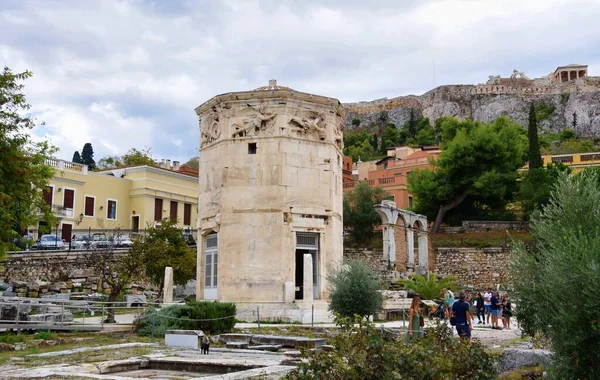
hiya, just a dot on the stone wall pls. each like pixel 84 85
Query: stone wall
pixel 486 226
pixel 34 274
pixel 474 267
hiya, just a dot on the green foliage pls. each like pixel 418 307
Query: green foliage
pixel 23 169
pixel 355 290
pixel 429 289
pixel 359 146
pixel 535 156
pixel 77 158
pixel 11 338
pixel 480 162
pixel 574 121
pixel 356 122
pixel 536 186
pixel 567 134
pixel 44 335
pixel 360 216
pixel 133 157
pixel 544 111
pixel 193 163
pixel 210 317
pixel 363 352
pixel 556 282
pixel 165 246
pixel 87 156
pixel 564 98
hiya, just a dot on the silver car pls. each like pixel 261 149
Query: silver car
pixel 81 242
pixel 121 241
pixel 50 242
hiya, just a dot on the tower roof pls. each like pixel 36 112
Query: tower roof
pixel 272 86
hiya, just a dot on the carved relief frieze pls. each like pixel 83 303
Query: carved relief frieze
pixel 312 126
pixel 210 127
pixel 258 122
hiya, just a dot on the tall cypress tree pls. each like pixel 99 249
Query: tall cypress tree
pixel 77 158
pixel 87 156
pixel 535 156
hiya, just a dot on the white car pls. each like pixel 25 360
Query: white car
pixel 81 242
pixel 50 242
pixel 121 241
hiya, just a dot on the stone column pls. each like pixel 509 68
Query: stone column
pixel 307 290
pixel 168 286
pixel 423 254
pixel 410 248
pixel 389 243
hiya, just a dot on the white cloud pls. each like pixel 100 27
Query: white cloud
pixel 125 74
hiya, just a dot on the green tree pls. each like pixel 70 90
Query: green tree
pixel 535 156
pixel 77 158
pixel 567 134
pixel 193 163
pixel 164 246
pixel 355 290
pixel 429 288
pixel 480 161
pixel 133 157
pixel 412 124
pixel 87 156
pixel 23 169
pixel 390 138
pixel 360 216
pixel 536 186
pixel 363 151
pixel 355 122
pixel 556 281
pixel 574 122
pixel 117 269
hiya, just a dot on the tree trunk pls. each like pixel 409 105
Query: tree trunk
pixel 112 297
pixel 443 210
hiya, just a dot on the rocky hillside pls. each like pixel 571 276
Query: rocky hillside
pixel 486 102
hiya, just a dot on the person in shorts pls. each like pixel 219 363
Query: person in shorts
pixel 496 306
pixel 487 304
pixel 462 317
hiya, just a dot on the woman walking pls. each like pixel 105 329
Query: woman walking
pixel 480 308
pixel 415 321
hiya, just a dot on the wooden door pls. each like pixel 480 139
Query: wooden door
pixel 67 232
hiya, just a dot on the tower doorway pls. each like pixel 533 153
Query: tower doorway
pixel 306 243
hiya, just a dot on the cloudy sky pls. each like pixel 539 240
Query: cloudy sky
pixel 128 74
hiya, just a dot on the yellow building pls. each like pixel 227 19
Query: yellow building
pixel 128 199
pixel 576 161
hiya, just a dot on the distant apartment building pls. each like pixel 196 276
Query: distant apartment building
pixel 391 173
pixel 576 161
pixel 128 198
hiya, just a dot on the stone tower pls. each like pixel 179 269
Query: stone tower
pixel 270 204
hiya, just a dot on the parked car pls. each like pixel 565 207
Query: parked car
pixel 81 242
pixel 121 241
pixel 100 241
pixel 50 242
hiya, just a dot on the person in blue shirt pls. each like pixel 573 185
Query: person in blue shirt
pixel 462 317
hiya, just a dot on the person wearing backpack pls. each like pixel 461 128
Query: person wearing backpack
pixel 462 317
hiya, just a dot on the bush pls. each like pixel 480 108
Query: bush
pixel 429 288
pixel 210 317
pixel 556 282
pixel 44 334
pixel 363 352
pixel 355 290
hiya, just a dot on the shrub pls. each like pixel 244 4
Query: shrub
pixel 355 290
pixel 210 317
pixel 429 288
pixel 556 282
pixel 44 334
pixel 363 352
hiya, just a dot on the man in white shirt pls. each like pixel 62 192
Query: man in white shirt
pixel 487 304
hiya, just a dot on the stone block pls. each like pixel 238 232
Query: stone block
pixel 67 316
pixel 183 338
pixel 266 347
pixel 515 358
pixel 236 345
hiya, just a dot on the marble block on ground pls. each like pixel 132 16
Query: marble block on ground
pixel 183 338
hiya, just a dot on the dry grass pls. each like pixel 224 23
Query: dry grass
pixel 479 239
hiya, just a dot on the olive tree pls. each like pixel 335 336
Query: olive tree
pixel 556 282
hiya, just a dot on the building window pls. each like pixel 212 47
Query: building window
pixel 111 210
pixel 158 209
pixel 47 195
pixel 90 203
pixel 252 148
pixel 173 212
pixel 211 254
pixel 69 198
pixel 410 201
pixel 187 214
